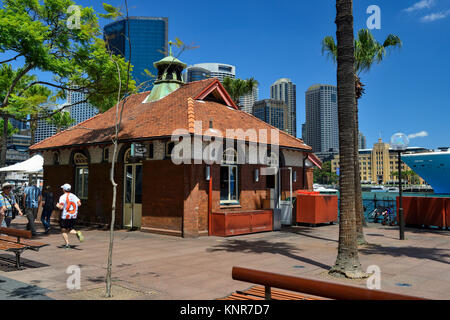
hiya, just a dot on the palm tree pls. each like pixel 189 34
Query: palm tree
pixel 237 88
pixel 61 120
pixel 368 51
pixel 347 261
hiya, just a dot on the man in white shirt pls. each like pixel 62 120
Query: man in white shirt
pixel 69 204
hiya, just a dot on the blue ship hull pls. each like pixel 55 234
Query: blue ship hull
pixel 433 167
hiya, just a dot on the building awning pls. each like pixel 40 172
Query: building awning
pixel 32 165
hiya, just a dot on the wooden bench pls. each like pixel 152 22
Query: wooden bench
pixel 309 289
pixel 259 293
pixel 12 240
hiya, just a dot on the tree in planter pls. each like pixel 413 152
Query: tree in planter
pixel 347 261
pixel 368 51
pixel 237 88
pixel 42 36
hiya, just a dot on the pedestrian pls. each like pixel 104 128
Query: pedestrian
pixel 31 202
pixel 7 203
pixel 69 204
pixel 47 207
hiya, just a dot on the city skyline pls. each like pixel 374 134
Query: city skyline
pixel 395 99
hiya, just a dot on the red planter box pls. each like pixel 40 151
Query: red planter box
pixel 426 211
pixel 447 214
pixel 316 208
pixel 234 223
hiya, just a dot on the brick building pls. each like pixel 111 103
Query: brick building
pixel 154 192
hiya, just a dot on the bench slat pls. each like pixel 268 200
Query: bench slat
pixel 10 246
pixel 30 243
pixel 16 232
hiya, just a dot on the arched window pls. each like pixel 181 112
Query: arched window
pixel 127 156
pixel 55 158
pixel 106 154
pixel 229 178
pixel 81 162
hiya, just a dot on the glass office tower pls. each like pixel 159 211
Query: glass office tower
pixel 149 41
pixel 274 112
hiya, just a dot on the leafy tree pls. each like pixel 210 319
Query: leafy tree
pixel 347 262
pixel 238 87
pixel 368 51
pixel 61 120
pixel 42 36
pixel 325 175
pixel 11 129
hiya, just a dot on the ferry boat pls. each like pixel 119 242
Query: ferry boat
pixel 433 167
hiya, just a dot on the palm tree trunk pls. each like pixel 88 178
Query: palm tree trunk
pixel 359 208
pixel 347 261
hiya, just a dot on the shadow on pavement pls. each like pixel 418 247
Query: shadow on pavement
pixel 262 246
pixel 435 254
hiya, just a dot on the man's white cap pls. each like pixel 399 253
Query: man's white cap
pixel 66 187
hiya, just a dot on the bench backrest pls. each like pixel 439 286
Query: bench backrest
pixel 16 233
pixel 315 287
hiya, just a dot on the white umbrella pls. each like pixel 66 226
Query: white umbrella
pixel 32 165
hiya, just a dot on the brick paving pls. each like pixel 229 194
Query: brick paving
pixel 150 266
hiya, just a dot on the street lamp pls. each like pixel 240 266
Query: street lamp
pixel 399 143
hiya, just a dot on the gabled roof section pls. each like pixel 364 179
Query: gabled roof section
pixel 217 93
pixel 192 102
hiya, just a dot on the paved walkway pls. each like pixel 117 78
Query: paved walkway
pixel 149 266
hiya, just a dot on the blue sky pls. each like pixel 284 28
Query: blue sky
pixel 268 40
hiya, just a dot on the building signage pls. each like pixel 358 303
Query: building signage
pixel 138 150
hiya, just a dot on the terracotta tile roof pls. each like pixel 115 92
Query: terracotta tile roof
pixel 161 118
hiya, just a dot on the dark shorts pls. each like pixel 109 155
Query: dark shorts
pixel 67 223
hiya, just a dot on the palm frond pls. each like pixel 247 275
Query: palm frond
pixel 329 47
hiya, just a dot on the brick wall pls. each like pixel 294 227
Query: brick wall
pixel 163 196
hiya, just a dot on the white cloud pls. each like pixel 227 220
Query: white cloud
pixel 420 134
pixel 423 4
pixel 435 16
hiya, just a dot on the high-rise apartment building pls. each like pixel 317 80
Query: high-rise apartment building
pixel 79 111
pixel 285 90
pixel 362 144
pixel 149 41
pixel 247 101
pixel 274 112
pixel 196 74
pixel 216 70
pixel 321 127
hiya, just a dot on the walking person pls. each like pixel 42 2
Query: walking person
pixel 69 204
pixel 48 205
pixel 31 202
pixel 7 203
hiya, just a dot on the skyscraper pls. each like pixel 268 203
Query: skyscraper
pixel 362 144
pixel 247 101
pixel 79 111
pixel 274 112
pixel 216 70
pixel 284 89
pixel 149 41
pixel 195 74
pixel 322 131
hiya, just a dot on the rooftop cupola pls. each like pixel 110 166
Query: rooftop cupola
pixel 169 77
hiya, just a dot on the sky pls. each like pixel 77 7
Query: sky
pixel 408 92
